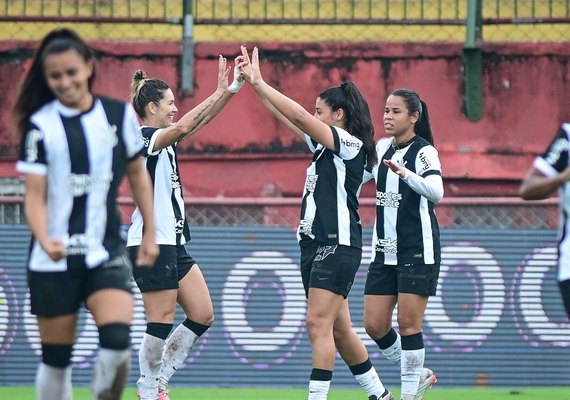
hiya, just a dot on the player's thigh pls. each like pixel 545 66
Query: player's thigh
pixel 194 297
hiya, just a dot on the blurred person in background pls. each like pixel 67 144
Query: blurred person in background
pixel 406 255
pixel 549 174
pixel 175 277
pixel 75 149
pixel 341 137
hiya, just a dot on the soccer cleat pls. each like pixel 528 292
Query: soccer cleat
pixel 386 396
pixel 428 379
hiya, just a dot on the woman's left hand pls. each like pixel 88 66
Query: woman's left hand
pixel 396 168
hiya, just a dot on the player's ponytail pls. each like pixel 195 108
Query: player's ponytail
pixel 415 104
pixel 357 118
pixel 145 91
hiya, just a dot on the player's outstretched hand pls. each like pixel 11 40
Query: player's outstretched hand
pixel 396 168
pixel 250 68
pixel 223 73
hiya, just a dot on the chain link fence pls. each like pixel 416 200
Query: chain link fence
pixel 287 20
pixel 500 213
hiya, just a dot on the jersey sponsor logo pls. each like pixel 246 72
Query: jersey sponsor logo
pixel 325 251
pixel 34 136
pixel 425 162
pixel 81 184
pixel 388 199
pixel 306 227
pixel 350 143
pixel 79 244
pixel 110 135
pixel 560 145
pixel 179 226
pixel 311 182
pixel 174 180
pixel 387 246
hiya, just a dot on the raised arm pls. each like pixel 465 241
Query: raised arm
pixel 290 111
pixel 200 115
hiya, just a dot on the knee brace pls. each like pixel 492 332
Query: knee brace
pixel 56 355
pixel 116 336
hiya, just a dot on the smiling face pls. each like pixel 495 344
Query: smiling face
pixel 162 115
pixel 398 122
pixel 325 113
pixel 67 76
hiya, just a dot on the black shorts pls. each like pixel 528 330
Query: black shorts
pixel 172 264
pixel 330 267
pixel 60 293
pixel 418 279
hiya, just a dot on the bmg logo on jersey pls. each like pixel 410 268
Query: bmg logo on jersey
pixel 174 180
pixel 558 147
pixel 386 246
pixel 311 182
pixel 350 143
pixel 388 199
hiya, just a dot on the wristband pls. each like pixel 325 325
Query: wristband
pixel 237 83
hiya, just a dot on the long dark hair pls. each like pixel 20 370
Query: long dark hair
pixel 415 104
pixel 358 121
pixel 144 91
pixel 34 91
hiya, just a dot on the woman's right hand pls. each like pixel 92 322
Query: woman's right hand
pixel 250 68
pixel 55 249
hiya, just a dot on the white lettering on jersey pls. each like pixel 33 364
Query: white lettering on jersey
pixel 306 227
pixel 311 182
pixel 388 199
pixel 558 147
pixel 34 136
pixel 81 184
pixel 174 180
pixel 387 246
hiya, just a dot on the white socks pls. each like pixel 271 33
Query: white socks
pixel 150 362
pixel 319 390
pixel 370 381
pixel 53 383
pixel 110 374
pixel 412 366
pixel 176 350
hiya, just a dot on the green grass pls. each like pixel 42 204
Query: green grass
pixel 522 393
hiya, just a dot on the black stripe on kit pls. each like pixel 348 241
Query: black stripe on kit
pixel 79 164
pixel 178 213
pixel 381 187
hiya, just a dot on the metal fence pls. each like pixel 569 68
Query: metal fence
pixel 288 20
pixel 500 213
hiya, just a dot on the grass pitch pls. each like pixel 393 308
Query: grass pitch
pixel 522 393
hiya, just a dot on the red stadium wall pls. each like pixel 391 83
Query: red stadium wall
pixel 245 152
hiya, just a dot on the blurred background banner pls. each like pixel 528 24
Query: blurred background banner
pixel 496 78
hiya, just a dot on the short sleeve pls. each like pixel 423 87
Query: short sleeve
pixel 32 157
pixel 346 146
pixel 427 162
pixel 149 136
pixel 555 159
pixel 131 133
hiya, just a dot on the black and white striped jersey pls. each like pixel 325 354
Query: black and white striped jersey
pixel 169 211
pixel 406 229
pixel 329 210
pixel 555 160
pixel 83 156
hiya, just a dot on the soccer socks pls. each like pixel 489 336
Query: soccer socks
pixel 319 384
pixel 53 383
pixel 176 349
pixel 391 346
pixel 150 359
pixel 114 362
pixel 413 355
pixel 368 378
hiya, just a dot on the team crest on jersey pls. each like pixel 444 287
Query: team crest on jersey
pixel 32 139
pixel 110 135
pixel 325 251
pixel 387 246
pixel 311 182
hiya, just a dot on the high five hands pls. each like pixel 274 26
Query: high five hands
pixel 250 68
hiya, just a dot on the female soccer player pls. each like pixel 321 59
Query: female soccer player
pixel 175 277
pixel 406 250
pixel 75 149
pixel 341 137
